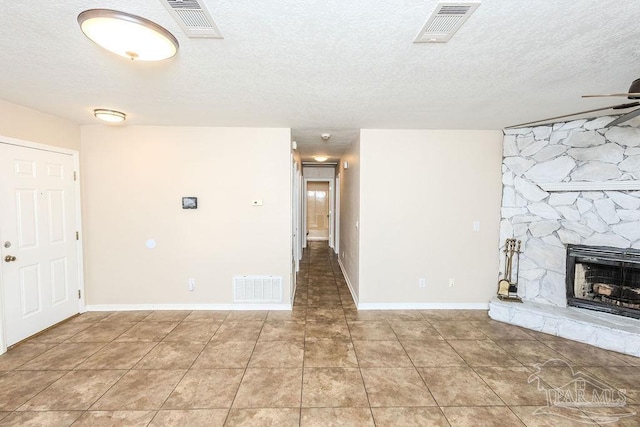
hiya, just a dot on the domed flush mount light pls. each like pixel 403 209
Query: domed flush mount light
pixel 320 158
pixel 110 116
pixel 128 35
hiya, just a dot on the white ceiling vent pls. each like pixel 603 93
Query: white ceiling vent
pixel 445 21
pixel 193 17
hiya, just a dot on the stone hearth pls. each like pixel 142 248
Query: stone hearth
pixel 608 331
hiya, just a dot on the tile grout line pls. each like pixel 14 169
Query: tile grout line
pixel 187 370
pixel 68 372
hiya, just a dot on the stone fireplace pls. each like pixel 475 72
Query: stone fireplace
pixel 604 279
pixel 568 185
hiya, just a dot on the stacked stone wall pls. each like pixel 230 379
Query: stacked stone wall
pixel 577 152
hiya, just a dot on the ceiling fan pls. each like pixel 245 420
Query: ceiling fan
pixel 633 94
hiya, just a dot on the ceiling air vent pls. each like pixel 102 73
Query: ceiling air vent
pixel 193 17
pixel 445 21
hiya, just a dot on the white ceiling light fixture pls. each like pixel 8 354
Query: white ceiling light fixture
pixel 320 158
pixel 109 116
pixel 128 35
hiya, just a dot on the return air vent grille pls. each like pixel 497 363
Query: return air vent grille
pixel 257 289
pixel 445 21
pixel 193 18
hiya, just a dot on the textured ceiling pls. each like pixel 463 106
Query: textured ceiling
pixel 310 142
pixel 329 64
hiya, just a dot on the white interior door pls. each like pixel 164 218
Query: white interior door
pixel 40 274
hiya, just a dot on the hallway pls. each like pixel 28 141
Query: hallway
pixel 320 282
pixel 324 363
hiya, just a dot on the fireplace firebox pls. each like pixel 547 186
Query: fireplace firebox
pixel 604 279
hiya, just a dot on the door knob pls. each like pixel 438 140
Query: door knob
pixel 9 258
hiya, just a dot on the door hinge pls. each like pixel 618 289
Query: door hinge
pixel 77 235
pixel 79 294
pixel 75 175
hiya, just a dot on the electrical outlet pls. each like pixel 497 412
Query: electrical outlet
pixel 452 282
pixel 342 254
pixel 422 282
pixel 192 284
pixel 476 225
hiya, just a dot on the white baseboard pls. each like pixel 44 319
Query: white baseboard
pixel 194 307
pixel 346 278
pixel 424 306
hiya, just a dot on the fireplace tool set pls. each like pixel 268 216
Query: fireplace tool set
pixel 507 288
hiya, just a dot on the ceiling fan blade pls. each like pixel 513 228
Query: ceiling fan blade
pixel 629 95
pixel 624 118
pixel 619 107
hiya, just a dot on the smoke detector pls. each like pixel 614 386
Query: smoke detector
pixel 325 136
pixel 445 21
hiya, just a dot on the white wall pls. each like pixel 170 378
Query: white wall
pixel 30 125
pixel 133 182
pixel 349 255
pixel 421 191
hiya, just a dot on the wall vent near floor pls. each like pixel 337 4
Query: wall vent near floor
pixel 193 17
pixel 257 289
pixel 445 21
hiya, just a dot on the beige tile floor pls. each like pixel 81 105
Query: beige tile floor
pixel 322 364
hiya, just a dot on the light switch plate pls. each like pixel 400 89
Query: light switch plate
pixel 256 203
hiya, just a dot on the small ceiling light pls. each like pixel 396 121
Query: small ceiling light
pixel 320 158
pixel 128 35
pixel 110 116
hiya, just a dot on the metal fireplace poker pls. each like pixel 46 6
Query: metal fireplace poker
pixel 507 288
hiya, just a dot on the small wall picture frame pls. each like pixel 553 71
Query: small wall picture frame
pixel 189 203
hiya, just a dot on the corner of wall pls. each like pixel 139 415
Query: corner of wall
pixel 34 126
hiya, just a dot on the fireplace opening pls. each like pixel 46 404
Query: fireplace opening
pixel 604 279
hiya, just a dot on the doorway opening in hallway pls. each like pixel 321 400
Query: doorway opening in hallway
pixel 319 208
pixel 318 211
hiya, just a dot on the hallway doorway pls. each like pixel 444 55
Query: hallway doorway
pixel 318 211
pixel 318 205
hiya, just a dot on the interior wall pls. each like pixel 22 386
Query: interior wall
pixel 417 217
pixel 134 179
pixel 349 256
pixel 30 125
pixel 322 172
